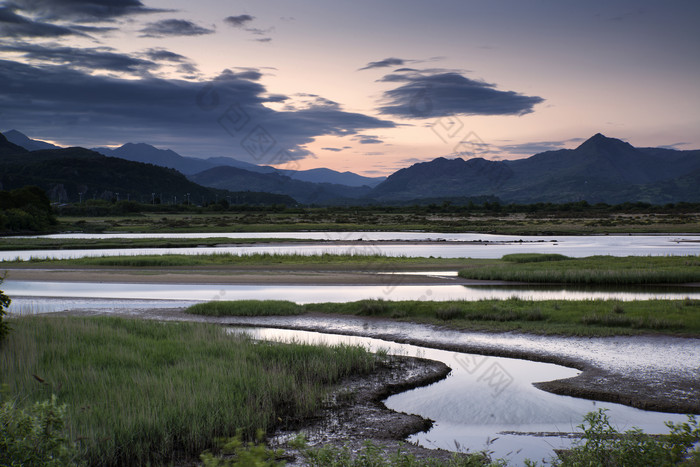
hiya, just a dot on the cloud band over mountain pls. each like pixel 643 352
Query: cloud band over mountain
pixel 63 103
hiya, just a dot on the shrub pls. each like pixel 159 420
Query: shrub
pixel 603 445
pixel 35 436
pixel 4 303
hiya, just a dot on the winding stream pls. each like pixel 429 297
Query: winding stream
pixel 488 402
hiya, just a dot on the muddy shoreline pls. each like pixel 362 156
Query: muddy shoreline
pixel 354 412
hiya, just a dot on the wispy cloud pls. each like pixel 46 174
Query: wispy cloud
pixel 174 27
pixel 387 62
pixel 534 147
pixel 367 139
pixel 238 21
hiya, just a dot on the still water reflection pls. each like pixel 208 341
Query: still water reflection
pixel 35 296
pixel 355 243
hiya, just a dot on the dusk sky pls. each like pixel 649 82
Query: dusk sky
pixel 364 86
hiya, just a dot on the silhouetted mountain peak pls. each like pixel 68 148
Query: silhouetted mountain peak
pixel 7 147
pixel 20 139
pixel 600 143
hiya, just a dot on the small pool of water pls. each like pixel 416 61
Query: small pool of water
pixel 485 399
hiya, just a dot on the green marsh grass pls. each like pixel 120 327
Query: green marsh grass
pixel 359 261
pixel 580 318
pixel 594 270
pixel 246 308
pixel 143 392
pixel 23 243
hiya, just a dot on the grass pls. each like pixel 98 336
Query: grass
pixel 594 270
pixel 141 391
pixel 390 219
pixel 577 318
pixel 246 308
pixel 368 261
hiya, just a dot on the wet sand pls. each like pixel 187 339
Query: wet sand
pixel 280 275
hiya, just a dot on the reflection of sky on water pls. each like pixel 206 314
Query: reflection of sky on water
pixel 484 396
pixel 575 246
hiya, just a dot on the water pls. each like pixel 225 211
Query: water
pixel 484 397
pixel 468 246
pixel 44 297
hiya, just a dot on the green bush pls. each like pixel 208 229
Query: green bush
pixel 35 436
pixel 602 445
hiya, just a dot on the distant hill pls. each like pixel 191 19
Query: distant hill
pixel 236 179
pixel 323 175
pixel 141 152
pixel 20 139
pixel 73 173
pixel 599 170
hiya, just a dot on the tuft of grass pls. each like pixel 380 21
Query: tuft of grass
pixel 246 308
pixel 372 307
pixel 533 257
pixel 616 320
pixel 450 312
pixel 142 392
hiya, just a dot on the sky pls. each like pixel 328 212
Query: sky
pixel 362 86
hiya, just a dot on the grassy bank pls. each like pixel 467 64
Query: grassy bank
pixel 577 318
pixel 141 391
pixel 392 219
pixel 359 261
pixel 20 243
pixel 598 270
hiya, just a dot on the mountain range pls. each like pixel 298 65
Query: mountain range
pixel 601 169
pixel 142 152
pixel 73 174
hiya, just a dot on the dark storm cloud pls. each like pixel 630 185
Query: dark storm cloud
pixel 174 27
pixel 101 58
pixel 436 94
pixel 196 118
pixel 14 25
pixel 83 10
pixel 387 62
pixel 238 21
